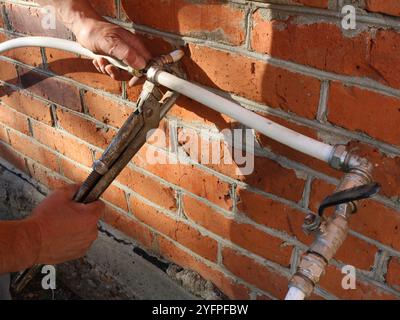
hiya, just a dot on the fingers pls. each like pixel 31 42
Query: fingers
pixel 96 208
pixel 121 50
pixel 139 47
pixel 133 81
pixel 116 73
pixel 67 191
pixel 127 47
pixel 103 66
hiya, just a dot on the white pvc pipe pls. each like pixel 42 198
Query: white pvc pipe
pixel 295 294
pixel 61 44
pixel 252 120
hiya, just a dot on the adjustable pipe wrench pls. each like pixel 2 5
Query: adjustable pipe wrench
pixel 153 104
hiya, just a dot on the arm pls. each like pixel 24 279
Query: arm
pixel 19 245
pixel 100 36
pixel 58 230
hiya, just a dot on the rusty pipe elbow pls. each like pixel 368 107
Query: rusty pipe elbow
pixel 332 233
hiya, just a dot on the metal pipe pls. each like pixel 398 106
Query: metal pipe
pixel 331 233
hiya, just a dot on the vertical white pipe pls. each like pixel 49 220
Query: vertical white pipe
pixel 295 294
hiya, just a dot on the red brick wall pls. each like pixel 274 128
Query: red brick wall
pixel 292 63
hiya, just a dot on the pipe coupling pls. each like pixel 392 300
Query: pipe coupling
pixel 344 160
pixel 309 271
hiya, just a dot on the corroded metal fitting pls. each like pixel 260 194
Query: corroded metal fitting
pixel 347 161
pixel 152 73
pixel 338 157
pixel 328 242
pixel 310 270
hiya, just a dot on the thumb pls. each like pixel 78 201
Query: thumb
pixel 96 208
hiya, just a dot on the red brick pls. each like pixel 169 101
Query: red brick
pixel 1 20
pixel 254 79
pixel 45 176
pixel 242 234
pixel 382 58
pixel 386 169
pixel 391 7
pixel 106 110
pixel 149 188
pixel 8 73
pixel 273 214
pixel 378 222
pixel 51 89
pixel 34 150
pixel 267 175
pixel 129 226
pixel 393 273
pixel 14 119
pixel 28 20
pixel 176 230
pixel 255 273
pixel 207 20
pixel 226 284
pixel 332 281
pixel 188 177
pixel 85 129
pixel 116 196
pixel 30 56
pixel 105 7
pixel 313 3
pixel 12 157
pixel 63 143
pixel 320 189
pixel 3 134
pixel 357 253
pixel 26 104
pixel 361 110
pixel 367 54
pixel 80 69
pixel 192 111
pixel 271 177
pixel 322 45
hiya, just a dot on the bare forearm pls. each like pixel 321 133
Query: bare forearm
pixel 19 245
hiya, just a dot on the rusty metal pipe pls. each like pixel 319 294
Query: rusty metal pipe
pixel 330 234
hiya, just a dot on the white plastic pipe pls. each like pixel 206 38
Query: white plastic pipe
pixel 252 120
pixel 295 294
pixel 61 44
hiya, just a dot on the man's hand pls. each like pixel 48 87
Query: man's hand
pixel 67 229
pixel 102 37
pixel 109 39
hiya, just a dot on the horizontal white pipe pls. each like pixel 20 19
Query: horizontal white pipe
pixel 61 44
pixel 295 294
pixel 252 120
